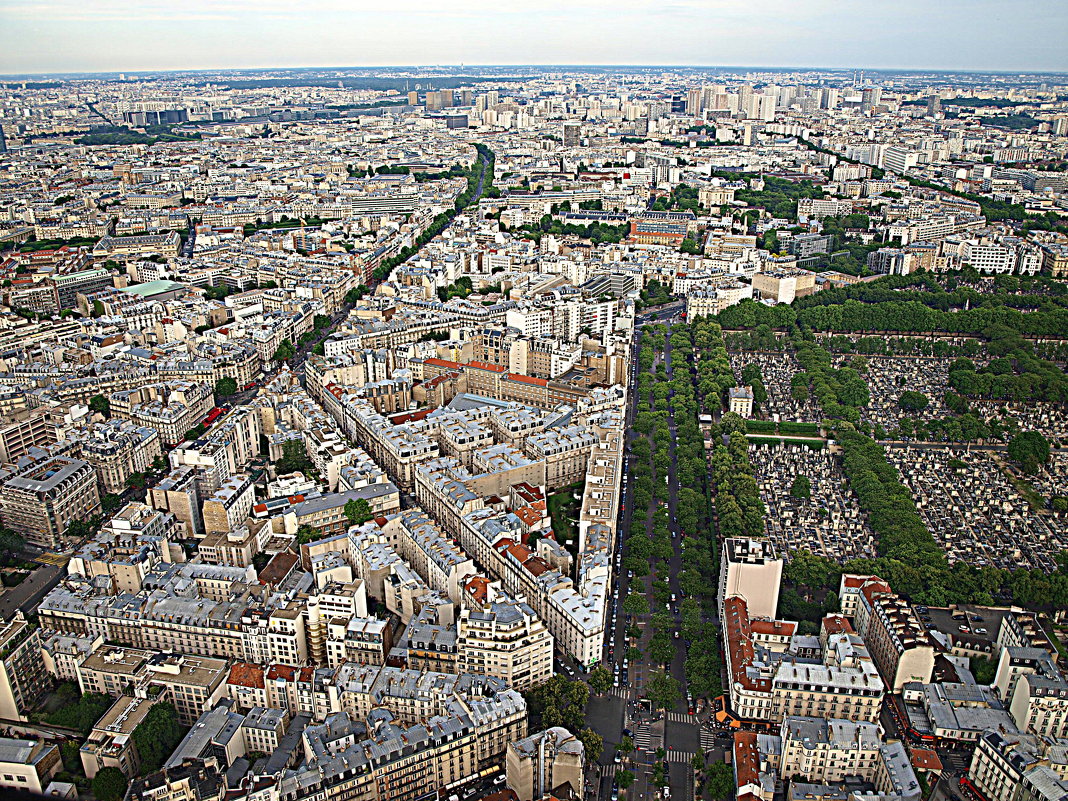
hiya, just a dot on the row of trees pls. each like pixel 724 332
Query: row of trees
pixel 900 346
pixel 480 172
pixel 896 315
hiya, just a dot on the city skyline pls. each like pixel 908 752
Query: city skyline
pixel 325 33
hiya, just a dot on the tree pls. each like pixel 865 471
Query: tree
pixel 624 778
pixel 156 736
pixel 689 245
pixel 306 534
pixel 626 745
pixel 661 647
pixel 225 386
pixel 109 784
pixel 697 761
pixel 600 680
pixel 592 742
pixel 320 322
pixel 358 511
pixel 98 403
pixel 771 241
pixel 284 352
pixel 720 781
pixel 801 488
pixel 353 295
pixel 81 715
pixel 911 401
pixel 1030 450
pixel 664 690
pixel 636 604
pixel 136 480
pixel 294 458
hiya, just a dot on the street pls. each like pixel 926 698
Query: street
pixel 676 731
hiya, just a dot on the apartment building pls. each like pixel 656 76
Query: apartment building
pixel 549 763
pixel 172 408
pixel 178 492
pixel 827 750
pixel 783 285
pixel 35 430
pixel 28 765
pixel 506 640
pixel 565 452
pixel 117 450
pixel 127 548
pixel 750 569
pixel 110 743
pixel 901 647
pixel 41 500
pixel 227 508
pixel 191 683
pixel 768 682
pixel 22 667
pixel 1006 766
pixel 1039 701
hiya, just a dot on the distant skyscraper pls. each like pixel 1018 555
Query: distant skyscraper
pixel 572 134
pixel 693 102
pixel 934 105
pixel 3 141
pixel 413 98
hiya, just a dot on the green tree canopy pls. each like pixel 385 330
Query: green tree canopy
pixel 225 386
pixel 109 784
pixel 720 781
pixel 284 352
pixel 358 511
pixel 157 735
pixel 664 690
pixel 636 604
pixel 1030 450
pixel 801 488
pixel 911 401
pixel 600 680
pixel 294 457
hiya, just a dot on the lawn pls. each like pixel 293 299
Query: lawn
pixel 564 513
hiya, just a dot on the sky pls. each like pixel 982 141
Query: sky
pixel 142 35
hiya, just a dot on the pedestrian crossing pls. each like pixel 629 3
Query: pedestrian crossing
pixel 681 717
pixel 58 560
pixel 680 757
pixel 644 739
pixel 708 739
pixel 607 771
pixel 620 692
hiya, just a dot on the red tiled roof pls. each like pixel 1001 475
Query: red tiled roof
pixel 740 650
pixel 245 674
pixel 442 363
pixel 536 565
pixel 925 759
pixel 527 379
pixel 746 758
pixel 278 568
pixel 773 628
pixel 837 624
pixel 476 587
pixel 856 582
pixel 285 672
pixel 493 368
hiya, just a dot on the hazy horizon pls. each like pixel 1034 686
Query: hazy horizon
pixel 149 35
